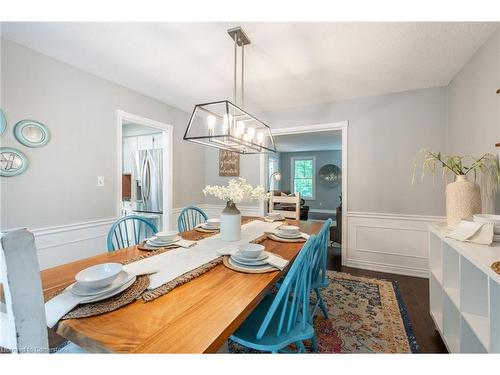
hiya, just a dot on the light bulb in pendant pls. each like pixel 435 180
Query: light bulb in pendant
pixel 251 132
pixel 240 128
pixel 260 137
pixel 211 122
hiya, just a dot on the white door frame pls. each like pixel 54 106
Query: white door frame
pixel 167 142
pixel 340 125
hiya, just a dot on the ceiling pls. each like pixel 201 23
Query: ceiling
pixel 287 64
pixel 320 141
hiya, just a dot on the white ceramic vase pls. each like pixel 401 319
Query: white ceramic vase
pixel 463 199
pixel 230 223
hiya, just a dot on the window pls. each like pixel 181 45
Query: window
pixel 303 181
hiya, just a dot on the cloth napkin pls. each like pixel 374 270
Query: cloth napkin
pixel 469 231
pixel 63 303
pixel 272 259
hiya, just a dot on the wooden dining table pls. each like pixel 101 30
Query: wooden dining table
pixel 197 317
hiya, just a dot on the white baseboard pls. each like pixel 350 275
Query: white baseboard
pixel 388 268
pixel 391 243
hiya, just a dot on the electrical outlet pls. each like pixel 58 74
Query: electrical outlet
pixel 100 181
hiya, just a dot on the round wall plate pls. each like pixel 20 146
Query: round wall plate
pixel 330 175
pixel 32 133
pixel 3 122
pixel 12 162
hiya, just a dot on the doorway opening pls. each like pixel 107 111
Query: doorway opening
pixel 144 169
pixel 312 161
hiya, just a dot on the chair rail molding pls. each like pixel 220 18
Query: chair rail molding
pixel 386 242
pixel 66 243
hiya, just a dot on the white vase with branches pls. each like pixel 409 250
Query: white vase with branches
pixel 236 191
pixel 463 197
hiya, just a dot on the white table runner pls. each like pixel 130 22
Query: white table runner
pixel 177 262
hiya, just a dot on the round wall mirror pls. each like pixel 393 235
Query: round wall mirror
pixel 12 162
pixel 330 175
pixel 3 122
pixel 31 133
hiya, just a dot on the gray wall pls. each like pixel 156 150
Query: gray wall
pixel 249 169
pixel 385 132
pixel 59 186
pixel 474 106
pixel 326 198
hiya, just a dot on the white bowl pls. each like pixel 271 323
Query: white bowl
pixel 98 276
pixel 274 215
pixel 215 223
pixel 251 250
pixel 168 235
pixel 289 229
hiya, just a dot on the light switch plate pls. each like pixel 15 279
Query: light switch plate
pixel 100 180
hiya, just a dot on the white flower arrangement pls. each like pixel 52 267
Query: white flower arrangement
pixel 236 191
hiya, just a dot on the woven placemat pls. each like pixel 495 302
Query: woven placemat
pixel 202 230
pixel 109 304
pixel 142 246
pixel 495 266
pixel 279 239
pixel 243 269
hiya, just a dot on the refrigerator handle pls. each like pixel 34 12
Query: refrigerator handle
pixel 143 181
pixel 147 179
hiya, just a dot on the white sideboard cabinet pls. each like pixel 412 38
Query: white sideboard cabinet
pixel 464 293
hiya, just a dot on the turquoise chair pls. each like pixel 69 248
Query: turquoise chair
pixel 128 231
pixel 282 319
pixel 190 217
pixel 319 277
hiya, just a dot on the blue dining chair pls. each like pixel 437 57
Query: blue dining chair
pixel 190 217
pixel 283 318
pixel 319 278
pixel 128 231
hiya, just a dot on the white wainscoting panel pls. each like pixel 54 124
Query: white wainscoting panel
pixel 389 242
pixel 67 243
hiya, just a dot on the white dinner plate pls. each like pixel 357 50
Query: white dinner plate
pixel 239 255
pixel 112 293
pixel 122 278
pixel 259 267
pixel 157 243
pixel 246 262
pixel 209 227
pixel 288 236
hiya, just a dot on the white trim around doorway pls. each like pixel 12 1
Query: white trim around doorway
pixel 167 141
pixel 340 125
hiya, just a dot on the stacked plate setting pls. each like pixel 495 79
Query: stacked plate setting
pixel 155 241
pixel 493 219
pixel 100 282
pixel 211 224
pixel 250 256
pixel 288 232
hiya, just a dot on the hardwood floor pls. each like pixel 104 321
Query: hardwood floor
pixel 415 293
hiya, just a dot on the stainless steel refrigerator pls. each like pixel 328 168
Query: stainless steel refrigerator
pixel 147 181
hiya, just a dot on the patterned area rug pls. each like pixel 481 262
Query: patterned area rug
pixel 365 316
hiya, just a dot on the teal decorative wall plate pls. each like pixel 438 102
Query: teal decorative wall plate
pixel 32 133
pixel 12 162
pixel 3 122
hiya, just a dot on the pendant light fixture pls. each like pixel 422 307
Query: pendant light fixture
pixel 225 124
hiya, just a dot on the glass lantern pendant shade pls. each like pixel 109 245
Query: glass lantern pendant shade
pixel 225 125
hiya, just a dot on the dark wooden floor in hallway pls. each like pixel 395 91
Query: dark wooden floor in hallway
pixel 415 293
